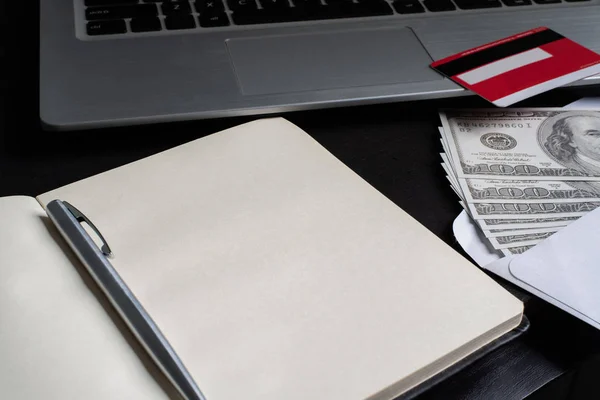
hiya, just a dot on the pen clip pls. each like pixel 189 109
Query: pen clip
pixel 80 217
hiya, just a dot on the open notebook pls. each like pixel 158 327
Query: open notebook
pixel 272 269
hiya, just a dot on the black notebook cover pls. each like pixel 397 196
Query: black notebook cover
pixel 419 390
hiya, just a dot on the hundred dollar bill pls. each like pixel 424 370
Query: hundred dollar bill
pixel 455 188
pixel 506 232
pixel 449 164
pixel 524 223
pixel 446 155
pixel 444 141
pixel 504 242
pixel 540 144
pixel 526 210
pixel 515 250
pixel 457 192
pixel 517 191
pixel 502 190
pixel 453 182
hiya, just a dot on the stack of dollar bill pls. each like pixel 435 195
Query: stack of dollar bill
pixel 522 174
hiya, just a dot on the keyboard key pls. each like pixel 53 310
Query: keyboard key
pixel 408 7
pixel 106 27
pixel 340 9
pixel 176 8
pixel 307 3
pixel 512 3
pixel 439 5
pixel 93 3
pixel 250 17
pixel 265 17
pixel 145 24
pixel 209 6
pixel 307 10
pixel 173 22
pixel 275 4
pixel 310 10
pixel 209 20
pixel 120 12
pixel 339 3
pixel 474 4
pixel 547 1
pixel 242 5
pixel 370 8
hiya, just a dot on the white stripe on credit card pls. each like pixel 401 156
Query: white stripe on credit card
pixel 501 66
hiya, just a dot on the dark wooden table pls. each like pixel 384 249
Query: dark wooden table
pixel 394 147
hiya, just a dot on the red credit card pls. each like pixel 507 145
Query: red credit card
pixel 520 66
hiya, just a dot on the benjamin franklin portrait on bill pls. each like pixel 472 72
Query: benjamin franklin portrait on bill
pixel 574 141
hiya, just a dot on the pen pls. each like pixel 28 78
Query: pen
pixel 67 220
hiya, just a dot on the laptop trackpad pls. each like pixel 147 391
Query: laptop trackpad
pixel 317 61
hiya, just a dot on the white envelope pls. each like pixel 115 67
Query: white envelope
pixel 566 266
pixel 563 270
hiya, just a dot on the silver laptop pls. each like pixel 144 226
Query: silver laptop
pixel 117 62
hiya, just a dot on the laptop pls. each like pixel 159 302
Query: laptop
pixel 119 62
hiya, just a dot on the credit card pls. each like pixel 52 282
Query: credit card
pixel 520 66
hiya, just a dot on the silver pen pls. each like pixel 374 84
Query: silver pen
pixel 67 220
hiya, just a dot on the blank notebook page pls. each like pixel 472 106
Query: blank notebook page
pixel 59 339
pixel 277 273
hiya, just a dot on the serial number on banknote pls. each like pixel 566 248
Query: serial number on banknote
pixel 475 124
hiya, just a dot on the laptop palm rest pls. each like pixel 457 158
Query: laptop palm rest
pixel 329 60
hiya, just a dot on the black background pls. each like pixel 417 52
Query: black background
pixel 394 147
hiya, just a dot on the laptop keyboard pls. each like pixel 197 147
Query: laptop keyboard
pixel 111 17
